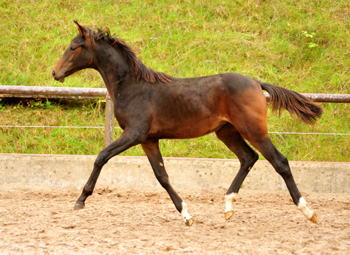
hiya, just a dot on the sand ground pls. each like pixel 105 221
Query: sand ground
pixel 39 219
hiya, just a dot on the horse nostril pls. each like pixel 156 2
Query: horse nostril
pixel 53 73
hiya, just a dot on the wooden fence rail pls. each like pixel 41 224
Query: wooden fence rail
pixel 91 93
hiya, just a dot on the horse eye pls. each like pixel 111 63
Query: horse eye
pixel 72 48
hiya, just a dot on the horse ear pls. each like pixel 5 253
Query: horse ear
pixel 82 30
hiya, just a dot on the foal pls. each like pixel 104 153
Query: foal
pixel 150 105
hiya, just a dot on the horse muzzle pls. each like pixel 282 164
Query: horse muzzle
pixel 57 78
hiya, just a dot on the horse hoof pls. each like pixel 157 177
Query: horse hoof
pixel 314 218
pixel 228 215
pixel 189 222
pixel 78 206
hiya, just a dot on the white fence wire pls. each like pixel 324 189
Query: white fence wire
pixel 101 127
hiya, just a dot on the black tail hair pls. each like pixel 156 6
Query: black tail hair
pixel 295 103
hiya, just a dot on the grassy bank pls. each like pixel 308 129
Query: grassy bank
pixel 300 45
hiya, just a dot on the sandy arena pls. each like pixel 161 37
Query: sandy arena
pixel 39 219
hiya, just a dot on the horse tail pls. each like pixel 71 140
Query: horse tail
pixel 295 103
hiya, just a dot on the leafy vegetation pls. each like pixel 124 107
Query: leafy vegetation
pixel 301 45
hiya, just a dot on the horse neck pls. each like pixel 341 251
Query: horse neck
pixel 110 63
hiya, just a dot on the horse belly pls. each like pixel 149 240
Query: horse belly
pixel 183 128
pixel 188 111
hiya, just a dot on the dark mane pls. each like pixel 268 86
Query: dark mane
pixel 138 69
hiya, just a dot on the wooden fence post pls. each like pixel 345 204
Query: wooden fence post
pixel 108 121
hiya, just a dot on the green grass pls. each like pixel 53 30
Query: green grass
pixel 301 45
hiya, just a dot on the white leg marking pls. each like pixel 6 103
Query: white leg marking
pixel 229 200
pixel 186 216
pixel 304 209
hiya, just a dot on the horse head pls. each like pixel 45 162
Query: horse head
pixel 79 55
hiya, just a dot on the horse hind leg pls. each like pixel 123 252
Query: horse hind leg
pixel 249 117
pixel 247 157
pixel 281 165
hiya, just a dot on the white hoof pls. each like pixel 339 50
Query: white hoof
pixel 302 206
pixel 185 215
pixel 229 200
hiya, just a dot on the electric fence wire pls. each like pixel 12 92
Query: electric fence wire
pixel 100 127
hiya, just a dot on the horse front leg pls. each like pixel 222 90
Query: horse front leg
pixel 151 148
pixel 125 141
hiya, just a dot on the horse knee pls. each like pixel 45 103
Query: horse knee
pixel 100 160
